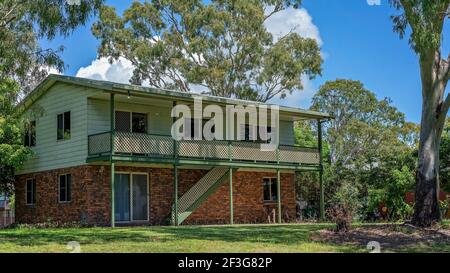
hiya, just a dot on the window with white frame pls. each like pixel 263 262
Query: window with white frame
pixel 63 126
pixel 30 134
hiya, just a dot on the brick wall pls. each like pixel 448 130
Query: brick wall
pixel 91 196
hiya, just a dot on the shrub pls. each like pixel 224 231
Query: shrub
pixel 400 182
pixel 343 206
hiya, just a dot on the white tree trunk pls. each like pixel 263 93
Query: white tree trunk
pixel 434 111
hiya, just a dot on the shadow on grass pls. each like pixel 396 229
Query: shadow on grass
pixel 286 235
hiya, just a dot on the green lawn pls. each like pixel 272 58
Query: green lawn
pixel 256 238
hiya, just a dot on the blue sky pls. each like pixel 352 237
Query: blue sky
pixel 357 43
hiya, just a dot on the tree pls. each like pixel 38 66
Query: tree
pixel 426 21
pixel 368 140
pixel 12 152
pixel 23 23
pixel 363 127
pixel 222 46
pixel 23 63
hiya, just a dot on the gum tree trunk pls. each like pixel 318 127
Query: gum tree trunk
pixel 426 209
pixel 434 75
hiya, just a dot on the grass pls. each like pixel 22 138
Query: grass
pixel 255 238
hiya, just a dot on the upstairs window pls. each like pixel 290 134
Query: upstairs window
pixel 270 189
pixel 63 131
pixel 248 133
pixel 31 191
pixel 130 122
pixel 65 188
pixel 30 134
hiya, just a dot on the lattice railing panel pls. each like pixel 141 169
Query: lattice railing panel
pixel 292 154
pixel 203 149
pixel 163 146
pixel 251 151
pixel 145 144
pixel 99 143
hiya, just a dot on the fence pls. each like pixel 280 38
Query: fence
pixel 7 217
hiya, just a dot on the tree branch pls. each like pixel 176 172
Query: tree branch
pixel 447 73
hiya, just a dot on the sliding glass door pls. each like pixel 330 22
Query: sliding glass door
pixel 131 197
pixel 122 197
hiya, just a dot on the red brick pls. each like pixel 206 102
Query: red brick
pixel 91 196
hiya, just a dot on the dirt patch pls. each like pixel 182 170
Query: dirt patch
pixel 391 237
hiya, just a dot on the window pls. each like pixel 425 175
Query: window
pixel 270 189
pixel 130 122
pixel 138 123
pixel 248 131
pixel 31 191
pixel 30 134
pixel 63 131
pixel 65 188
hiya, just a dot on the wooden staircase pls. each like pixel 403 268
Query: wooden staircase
pixel 198 193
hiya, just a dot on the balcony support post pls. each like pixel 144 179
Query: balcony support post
pixel 175 148
pixel 231 197
pixel 175 194
pixel 279 196
pixel 322 191
pixel 112 172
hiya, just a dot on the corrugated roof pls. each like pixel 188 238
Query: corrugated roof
pixel 129 88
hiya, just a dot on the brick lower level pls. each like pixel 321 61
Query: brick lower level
pixel 91 196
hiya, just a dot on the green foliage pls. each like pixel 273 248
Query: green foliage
pixel 23 23
pixel 399 183
pixel 23 63
pixel 343 205
pixel 12 152
pixel 375 197
pixel 426 19
pixel 216 45
pixel 444 174
pixel 369 145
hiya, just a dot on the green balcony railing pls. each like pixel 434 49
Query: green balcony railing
pixel 163 146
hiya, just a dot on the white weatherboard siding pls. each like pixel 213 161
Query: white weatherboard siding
pixel 50 153
pixel 91 116
pixel 159 120
pixel 287 132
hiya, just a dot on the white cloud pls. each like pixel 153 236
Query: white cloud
pixel 298 98
pixel 295 20
pixel 119 71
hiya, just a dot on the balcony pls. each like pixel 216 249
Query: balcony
pixel 165 149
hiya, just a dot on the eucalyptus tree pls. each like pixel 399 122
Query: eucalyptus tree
pixel 368 140
pixel 425 19
pixel 23 63
pixel 23 23
pixel 222 46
